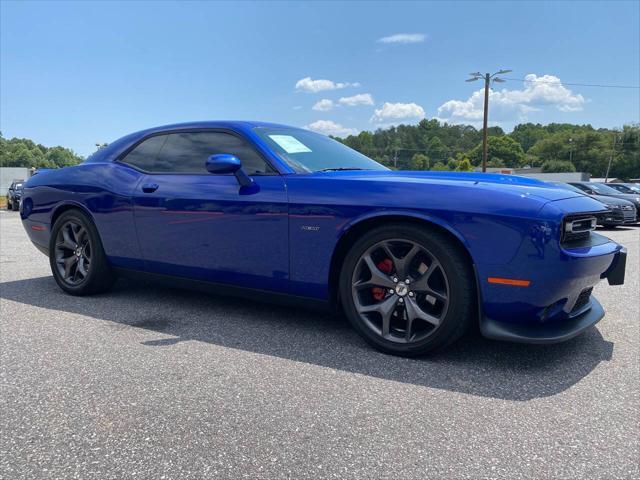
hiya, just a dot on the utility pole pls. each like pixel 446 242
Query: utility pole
pixel 613 149
pixel 487 77
pixel 485 146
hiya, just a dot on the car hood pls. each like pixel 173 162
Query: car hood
pixel 629 197
pixel 488 181
pixel 611 199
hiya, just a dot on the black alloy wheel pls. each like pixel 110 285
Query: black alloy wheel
pixel 73 253
pixel 408 290
pixel 78 262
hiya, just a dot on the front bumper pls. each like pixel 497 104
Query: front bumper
pixel 554 332
pixel 616 217
pixel 565 314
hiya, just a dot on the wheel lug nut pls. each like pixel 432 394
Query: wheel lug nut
pixel 407 281
pixel 391 290
pixel 401 300
pixel 411 294
pixel 395 280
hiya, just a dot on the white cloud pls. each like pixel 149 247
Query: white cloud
pixel 360 99
pixel 403 38
pixel 323 105
pixel 513 105
pixel 329 127
pixel 392 112
pixel 307 84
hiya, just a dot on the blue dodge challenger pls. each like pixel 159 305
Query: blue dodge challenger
pixel 271 213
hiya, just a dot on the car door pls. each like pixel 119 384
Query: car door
pixel 195 224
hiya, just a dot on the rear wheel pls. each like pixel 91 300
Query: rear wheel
pixel 78 262
pixel 9 205
pixel 408 290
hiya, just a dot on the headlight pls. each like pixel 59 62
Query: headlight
pixel 612 207
pixel 578 227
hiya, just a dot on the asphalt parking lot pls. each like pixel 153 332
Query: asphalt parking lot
pixel 148 382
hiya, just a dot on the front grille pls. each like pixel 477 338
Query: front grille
pixel 582 300
pixel 570 237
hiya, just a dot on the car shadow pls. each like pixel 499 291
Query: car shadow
pixel 473 365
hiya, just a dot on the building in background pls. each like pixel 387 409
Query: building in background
pixel 9 174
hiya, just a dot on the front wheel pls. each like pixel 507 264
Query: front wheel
pixel 78 262
pixel 408 290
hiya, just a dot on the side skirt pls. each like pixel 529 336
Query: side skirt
pixel 221 289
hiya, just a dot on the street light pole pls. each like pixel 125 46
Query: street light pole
pixel 487 77
pixel 571 150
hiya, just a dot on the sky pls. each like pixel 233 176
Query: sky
pixel 78 73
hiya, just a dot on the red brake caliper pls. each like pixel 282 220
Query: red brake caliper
pixel 385 266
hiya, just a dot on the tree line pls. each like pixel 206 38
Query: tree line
pixel 431 145
pixel 22 152
pixel 556 147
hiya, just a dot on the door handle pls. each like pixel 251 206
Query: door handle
pixel 149 187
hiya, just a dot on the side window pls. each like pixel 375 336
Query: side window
pixel 188 152
pixel 145 155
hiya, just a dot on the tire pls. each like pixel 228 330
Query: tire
pixel 430 290
pixel 9 205
pixel 75 243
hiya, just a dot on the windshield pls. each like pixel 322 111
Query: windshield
pixel 306 151
pixel 604 189
pixel 625 188
pixel 566 186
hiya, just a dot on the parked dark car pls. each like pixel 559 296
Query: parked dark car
pixel 14 194
pixel 620 211
pixel 631 188
pixel 594 188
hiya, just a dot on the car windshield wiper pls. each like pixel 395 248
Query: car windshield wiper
pixel 339 169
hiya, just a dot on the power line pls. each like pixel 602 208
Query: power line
pixel 574 84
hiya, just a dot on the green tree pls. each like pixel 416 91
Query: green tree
pixel 495 162
pixel 504 148
pixel 22 152
pixel 61 157
pixel 527 134
pixel 555 166
pixel 626 157
pixel 437 150
pixel 419 162
pixel 464 166
pixel 439 167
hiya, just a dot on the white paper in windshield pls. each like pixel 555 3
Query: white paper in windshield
pixel 290 144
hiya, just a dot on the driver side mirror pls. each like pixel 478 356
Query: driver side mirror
pixel 222 163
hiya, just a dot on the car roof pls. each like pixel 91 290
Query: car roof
pixel 119 145
pixel 232 124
